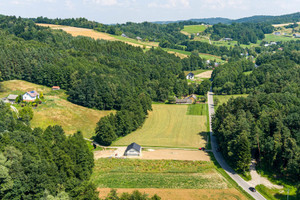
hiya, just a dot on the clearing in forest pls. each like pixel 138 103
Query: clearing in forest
pixel 56 110
pixel 169 126
pixel 193 29
pixel 206 74
pixel 224 98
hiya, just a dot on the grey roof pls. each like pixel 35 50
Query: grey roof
pixel 190 74
pixel 133 146
pixel 12 97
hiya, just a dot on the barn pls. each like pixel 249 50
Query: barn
pixel 133 150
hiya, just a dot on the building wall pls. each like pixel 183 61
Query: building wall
pixel 27 97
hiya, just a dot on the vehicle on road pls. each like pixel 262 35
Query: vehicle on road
pixel 202 148
pixel 252 189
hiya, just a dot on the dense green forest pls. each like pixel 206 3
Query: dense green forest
pixel 276 73
pixel 244 33
pixel 40 164
pixel 265 125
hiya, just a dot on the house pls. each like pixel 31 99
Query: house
pixel 133 150
pixel 12 98
pixel 184 101
pixel 138 38
pixel 297 35
pixel 123 35
pixel 55 88
pixel 190 76
pixel 277 33
pixel 227 39
pixel 31 96
pixel 273 43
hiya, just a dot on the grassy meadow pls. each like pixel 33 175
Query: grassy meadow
pixel 193 29
pixel 224 98
pixel 56 110
pixel 169 126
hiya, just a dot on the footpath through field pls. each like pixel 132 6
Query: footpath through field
pixel 241 182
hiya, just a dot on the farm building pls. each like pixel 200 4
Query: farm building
pixel 133 150
pixel 296 35
pixel 138 38
pixel 190 76
pixel 55 88
pixel 11 98
pixel 31 96
pixel 184 101
pixel 277 33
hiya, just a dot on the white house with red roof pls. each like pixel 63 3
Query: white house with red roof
pixel 31 96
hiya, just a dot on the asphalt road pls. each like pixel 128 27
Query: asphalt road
pixel 241 182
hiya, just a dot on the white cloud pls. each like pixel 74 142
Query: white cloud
pixel 225 4
pixel 69 5
pixel 103 2
pixel 170 4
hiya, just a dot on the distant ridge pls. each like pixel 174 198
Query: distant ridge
pixel 294 17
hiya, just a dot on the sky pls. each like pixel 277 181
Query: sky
pixel 121 11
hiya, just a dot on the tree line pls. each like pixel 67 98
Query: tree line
pixel 36 163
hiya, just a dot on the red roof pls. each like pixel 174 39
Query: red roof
pixel 55 87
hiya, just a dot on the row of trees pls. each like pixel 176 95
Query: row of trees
pixel 39 164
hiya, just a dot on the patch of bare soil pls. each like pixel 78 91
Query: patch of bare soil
pixel 206 74
pixel 257 179
pixel 174 154
pixel 182 194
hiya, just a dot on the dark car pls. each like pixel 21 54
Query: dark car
pixel 252 189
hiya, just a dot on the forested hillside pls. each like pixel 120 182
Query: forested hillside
pixel 42 164
pixel 96 74
pixel 245 33
pixel 265 125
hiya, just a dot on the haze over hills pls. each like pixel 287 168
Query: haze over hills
pixel 253 19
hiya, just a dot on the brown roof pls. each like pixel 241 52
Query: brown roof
pixel 55 87
pixel 33 93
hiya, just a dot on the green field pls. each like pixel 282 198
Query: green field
pixel 197 109
pixel 192 29
pixel 136 173
pixel 224 98
pixel 56 110
pixel 275 194
pixel 169 126
pixel 277 38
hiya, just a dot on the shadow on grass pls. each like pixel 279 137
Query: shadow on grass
pixel 206 136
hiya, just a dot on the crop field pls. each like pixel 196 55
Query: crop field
pixel 192 29
pixel 56 110
pixel 169 126
pixel 182 194
pixel 169 179
pixel 197 109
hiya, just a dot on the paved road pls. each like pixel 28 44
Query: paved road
pixel 241 182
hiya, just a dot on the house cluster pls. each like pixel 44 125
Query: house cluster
pixel 188 100
pixel 271 43
pixel 29 96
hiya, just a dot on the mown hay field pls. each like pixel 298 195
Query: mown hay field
pixel 56 110
pixel 169 126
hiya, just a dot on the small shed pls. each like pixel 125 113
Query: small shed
pixel 190 76
pixel 12 98
pixel 55 88
pixel 133 150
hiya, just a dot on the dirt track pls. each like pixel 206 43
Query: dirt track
pixel 158 154
pixel 174 154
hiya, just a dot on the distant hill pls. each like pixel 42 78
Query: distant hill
pixel 294 17
pixel 212 20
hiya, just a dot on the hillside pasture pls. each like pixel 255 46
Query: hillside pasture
pixel 277 38
pixel 56 110
pixel 193 29
pixel 169 126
